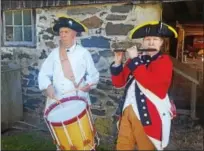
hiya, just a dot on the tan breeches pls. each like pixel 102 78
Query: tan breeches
pixel 131 134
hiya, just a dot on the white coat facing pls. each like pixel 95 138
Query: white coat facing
pixel 83 68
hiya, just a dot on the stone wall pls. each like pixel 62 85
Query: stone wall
pixel 107 24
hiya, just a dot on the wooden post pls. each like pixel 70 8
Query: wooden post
pixel 193 101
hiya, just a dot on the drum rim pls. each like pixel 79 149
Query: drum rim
pixel 66 122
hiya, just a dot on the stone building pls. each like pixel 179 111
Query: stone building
pixel 27 39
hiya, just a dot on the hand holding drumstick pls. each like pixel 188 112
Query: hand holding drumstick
pixel 50 91
pixel 85 88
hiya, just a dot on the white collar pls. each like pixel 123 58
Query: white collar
pixel 72 48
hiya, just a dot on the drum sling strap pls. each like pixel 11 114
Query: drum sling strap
pixel 68 73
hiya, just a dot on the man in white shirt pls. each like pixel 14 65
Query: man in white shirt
pixel 69 66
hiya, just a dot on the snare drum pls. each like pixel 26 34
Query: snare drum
pixel 71 124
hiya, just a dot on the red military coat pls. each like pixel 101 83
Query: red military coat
pixel 154 74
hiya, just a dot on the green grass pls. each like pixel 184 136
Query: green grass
pixel 26 141
pixel 30 141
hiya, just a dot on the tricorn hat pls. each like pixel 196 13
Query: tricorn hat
pixel 65 21
pixel 153 28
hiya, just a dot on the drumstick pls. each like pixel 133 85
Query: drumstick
pixel 70 91
pixel 77 89
pixel 58 102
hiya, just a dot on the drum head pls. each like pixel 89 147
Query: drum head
pixel 66 111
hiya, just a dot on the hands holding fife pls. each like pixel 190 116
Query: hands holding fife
pixel 132 53
pixel 118 57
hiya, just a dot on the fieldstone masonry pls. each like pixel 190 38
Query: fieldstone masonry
pixel 107 25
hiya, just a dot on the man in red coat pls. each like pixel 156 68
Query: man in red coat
pixel 145 119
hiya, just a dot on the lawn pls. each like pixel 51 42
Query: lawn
pixel 30 141
pixel 26 141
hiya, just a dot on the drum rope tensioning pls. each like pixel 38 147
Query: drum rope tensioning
pixel 76 131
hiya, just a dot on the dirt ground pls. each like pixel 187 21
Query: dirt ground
pixel 185 135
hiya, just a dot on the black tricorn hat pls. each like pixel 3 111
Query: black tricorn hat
pixel 65 21
pixel 153 28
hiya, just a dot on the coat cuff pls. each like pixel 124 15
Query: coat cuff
pixel 134 63
pixel 116 70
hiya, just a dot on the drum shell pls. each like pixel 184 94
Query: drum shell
pixel 76 128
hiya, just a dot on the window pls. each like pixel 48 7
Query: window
pixel 19 28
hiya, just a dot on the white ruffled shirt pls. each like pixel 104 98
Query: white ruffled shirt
pixel 82 64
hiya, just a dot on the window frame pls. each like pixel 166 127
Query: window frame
pixel 20 43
